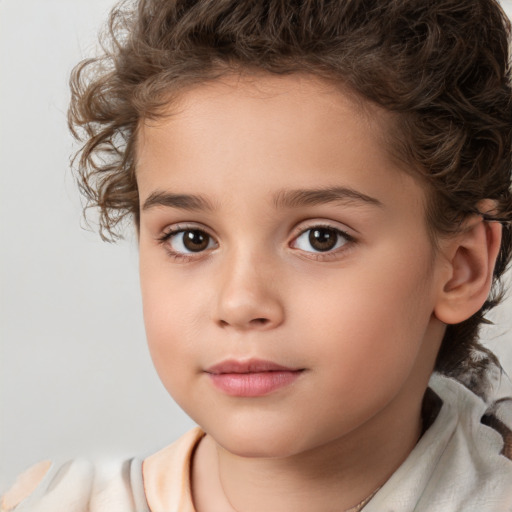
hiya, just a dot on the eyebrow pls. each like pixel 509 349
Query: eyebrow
pixel 282 199
pixel 312 197
pixel 182 201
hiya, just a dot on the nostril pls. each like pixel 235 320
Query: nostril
pixel 259 321
pixel 255 322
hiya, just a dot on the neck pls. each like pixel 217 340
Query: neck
pixel 334 476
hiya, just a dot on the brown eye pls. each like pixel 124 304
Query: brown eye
pixel 321 239
pixel 195 240
pixel 186 241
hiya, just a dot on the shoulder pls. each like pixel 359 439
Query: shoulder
pixel 109 486
pixel 78 486
pixel 25 484
pixel 47 482
pixel 488 412
pixel 462 460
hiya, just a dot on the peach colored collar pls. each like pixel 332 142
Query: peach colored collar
pixel 166 475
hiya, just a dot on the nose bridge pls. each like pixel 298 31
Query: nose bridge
pixel 248 295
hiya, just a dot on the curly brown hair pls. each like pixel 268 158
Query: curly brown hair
pixel 441 66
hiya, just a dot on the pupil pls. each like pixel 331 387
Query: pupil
pixel 195 240
pixel 323 239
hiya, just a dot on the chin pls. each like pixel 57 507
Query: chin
pixel 258 441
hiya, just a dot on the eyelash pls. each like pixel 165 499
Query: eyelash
pixel 331 253
pixel 315 255
pixel 177 255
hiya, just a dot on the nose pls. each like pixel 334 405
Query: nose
pixel 249 297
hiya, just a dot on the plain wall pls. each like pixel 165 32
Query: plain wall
pixel 76 378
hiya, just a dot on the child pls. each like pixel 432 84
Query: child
pixel 321 192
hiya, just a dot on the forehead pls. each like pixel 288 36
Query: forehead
pixel 283 129
pixel 274 95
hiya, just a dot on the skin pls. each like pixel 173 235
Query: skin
pixel 359 319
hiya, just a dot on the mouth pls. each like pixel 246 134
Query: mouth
pixel 251 378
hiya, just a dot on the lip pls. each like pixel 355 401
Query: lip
pixel 248 366
pixel 251 378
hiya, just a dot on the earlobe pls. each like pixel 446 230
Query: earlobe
pixel 472 256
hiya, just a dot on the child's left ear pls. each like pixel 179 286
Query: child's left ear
pixel 471 257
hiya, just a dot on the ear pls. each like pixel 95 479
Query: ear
pixel 471 257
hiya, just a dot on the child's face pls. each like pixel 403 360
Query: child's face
pixel 275 227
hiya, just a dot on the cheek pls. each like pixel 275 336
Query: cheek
pixel 371 321
pixel 171 311
pixel 362 351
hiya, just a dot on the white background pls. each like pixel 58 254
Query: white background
pixel 75 375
